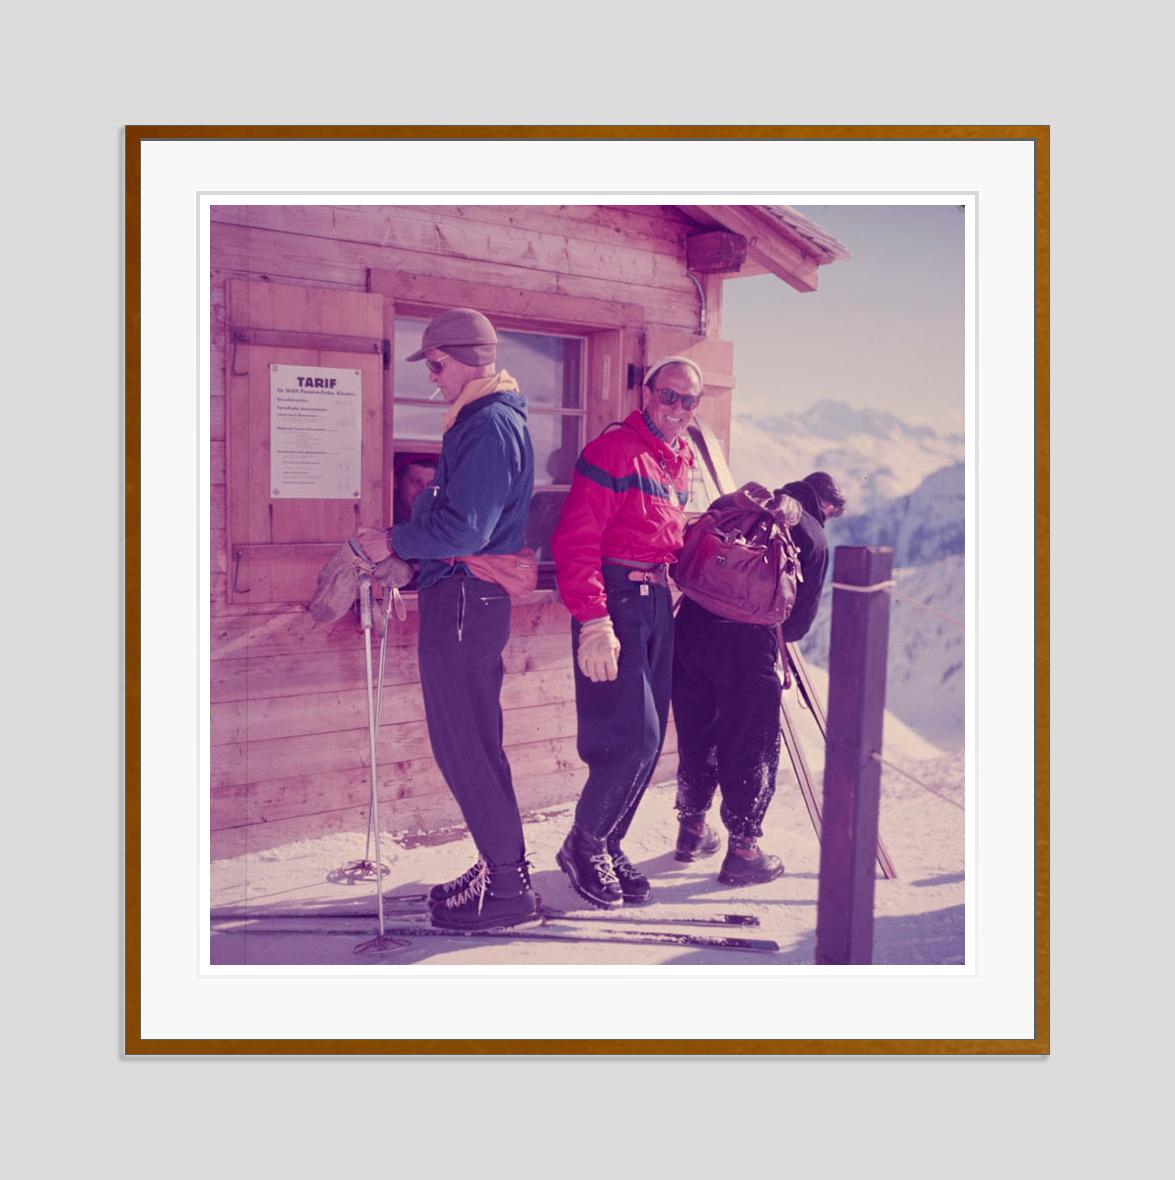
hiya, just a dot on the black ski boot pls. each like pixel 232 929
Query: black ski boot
pixel 695 839
pixel 498 895
pixel 747 864
pixel 588 866
pixel 448 888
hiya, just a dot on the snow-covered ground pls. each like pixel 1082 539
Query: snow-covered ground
pixel 919 916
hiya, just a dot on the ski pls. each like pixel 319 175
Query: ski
pixel 598 915
pixel 548 912
pixel 645 937
pixel 551 914
pixel 550 933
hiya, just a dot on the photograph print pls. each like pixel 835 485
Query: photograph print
pixel 525 521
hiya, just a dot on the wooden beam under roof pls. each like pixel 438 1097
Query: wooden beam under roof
pixel 768 244
pixel 715 251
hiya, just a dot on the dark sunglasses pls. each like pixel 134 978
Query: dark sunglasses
pixel 669 396
pixel 435 366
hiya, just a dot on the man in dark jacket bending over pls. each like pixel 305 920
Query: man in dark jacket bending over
pixel 821 500
pixel 726 696
pixel 477 505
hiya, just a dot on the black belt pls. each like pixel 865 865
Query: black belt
pixel 653 575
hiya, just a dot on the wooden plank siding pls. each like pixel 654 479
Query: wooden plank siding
pixel 418 231
pixel 279 256
pixel 432 812
pixel 662 229
pixel 289 757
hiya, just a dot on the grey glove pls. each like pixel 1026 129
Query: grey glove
pixel 393 572
pixel 338 585
pixel 338 580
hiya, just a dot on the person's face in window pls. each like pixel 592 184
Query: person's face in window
pixel 414 478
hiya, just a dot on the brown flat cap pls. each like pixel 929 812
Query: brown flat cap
pixel 463 333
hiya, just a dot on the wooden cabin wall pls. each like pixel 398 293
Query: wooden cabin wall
pixel 289 714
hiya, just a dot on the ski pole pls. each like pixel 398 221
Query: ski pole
pixel 365 619
pixel 382 941
pixel 392 595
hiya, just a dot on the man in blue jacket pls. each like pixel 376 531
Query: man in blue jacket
pixel 477 505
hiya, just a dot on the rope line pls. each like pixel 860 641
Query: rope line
pixel 915 602
pixel 925 786
pixel 889 586
pixel 864 589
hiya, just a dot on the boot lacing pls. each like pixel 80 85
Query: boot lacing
pixel 477 888
pixel 605 871
pixel 461 882
pixel 624 867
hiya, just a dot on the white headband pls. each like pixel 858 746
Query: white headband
pixel 676 360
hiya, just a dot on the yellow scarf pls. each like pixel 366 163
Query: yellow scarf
pixel 500 382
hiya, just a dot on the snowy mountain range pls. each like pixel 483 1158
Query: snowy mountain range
pixel 923 526
pixel 905 489
pixel 872 454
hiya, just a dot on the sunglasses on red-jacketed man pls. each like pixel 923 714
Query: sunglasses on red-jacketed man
pixel 669 396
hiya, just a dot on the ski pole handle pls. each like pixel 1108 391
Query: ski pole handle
pixel 365 602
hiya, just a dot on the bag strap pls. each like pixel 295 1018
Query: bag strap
pixel 783 655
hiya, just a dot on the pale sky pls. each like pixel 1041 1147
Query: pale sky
pixel 884 330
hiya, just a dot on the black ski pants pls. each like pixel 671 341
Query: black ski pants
pixel 464 625
pixel 621 722
pixel 726 695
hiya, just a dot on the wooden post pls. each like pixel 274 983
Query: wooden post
pixel 852 779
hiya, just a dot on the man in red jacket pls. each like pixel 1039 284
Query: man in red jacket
pixel 620 527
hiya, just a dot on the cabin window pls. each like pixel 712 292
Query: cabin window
pixel 549 369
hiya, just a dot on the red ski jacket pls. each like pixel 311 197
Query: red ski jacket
pixel 626 501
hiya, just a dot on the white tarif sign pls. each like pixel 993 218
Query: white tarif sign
pixel 315 432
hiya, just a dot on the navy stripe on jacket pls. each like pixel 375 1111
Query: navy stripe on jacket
pixel 625 482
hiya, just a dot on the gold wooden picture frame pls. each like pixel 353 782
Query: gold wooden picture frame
pixel 288 566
